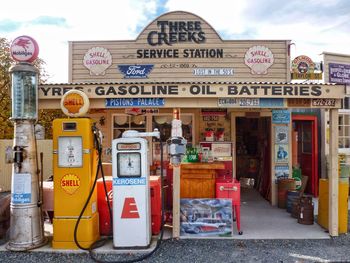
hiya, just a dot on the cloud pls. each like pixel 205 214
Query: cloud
pixel 8 25
pixel 49 21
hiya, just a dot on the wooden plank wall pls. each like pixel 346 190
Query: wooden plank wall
pixel 44 146
pixel 124 52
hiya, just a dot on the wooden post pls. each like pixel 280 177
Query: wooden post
pixel 333 176
pixel 176 188
pixel 176 201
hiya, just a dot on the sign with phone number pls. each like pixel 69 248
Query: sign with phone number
pixel 324 102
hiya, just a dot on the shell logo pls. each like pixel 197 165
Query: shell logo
pixel 259 59
pixel 75 103
pixel 70 183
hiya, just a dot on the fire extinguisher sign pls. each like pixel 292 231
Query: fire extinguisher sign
pixel 22 190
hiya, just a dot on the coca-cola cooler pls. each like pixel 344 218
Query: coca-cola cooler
pixel 104 218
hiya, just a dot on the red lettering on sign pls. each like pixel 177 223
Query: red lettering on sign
pixel 130 208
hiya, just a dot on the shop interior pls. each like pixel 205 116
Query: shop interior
pixel 211 135
pixel 253 153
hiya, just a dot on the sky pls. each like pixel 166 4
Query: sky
pixel 314 26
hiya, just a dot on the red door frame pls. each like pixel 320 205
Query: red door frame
pixel 314 177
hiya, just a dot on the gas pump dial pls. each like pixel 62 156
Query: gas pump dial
pixel 70 151
pixel 129 164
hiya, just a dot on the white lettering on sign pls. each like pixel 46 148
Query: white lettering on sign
pixel 213 71
pixel 129 181
pixel 323 102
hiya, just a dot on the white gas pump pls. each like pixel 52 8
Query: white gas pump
pixel 131 194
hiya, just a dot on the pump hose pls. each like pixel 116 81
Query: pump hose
pixel 101 242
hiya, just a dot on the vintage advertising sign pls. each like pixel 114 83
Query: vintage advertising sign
pixel 206 217
pixel 213 71
pixel 251 102
pixel 281 153
pixel 75 103
pixel 21 188
pixel 281 134
pixel 183 46
pixel 70 183
pixel 189 90
pixel 281 172
pixel 24 49
pixel 281 116
pixel 135 71
pixel 140 111
pixel 324 102
pixel 258 59
pixel 133 102
pixel 304 68
pixel 339 73
pixel 97 60
pixel 221 149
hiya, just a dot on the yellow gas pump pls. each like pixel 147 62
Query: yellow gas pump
pixel 75 162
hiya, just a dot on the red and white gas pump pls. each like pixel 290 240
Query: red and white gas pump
pixel 131 194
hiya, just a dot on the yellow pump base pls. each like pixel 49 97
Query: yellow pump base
pixel 342 205
pixel 64 232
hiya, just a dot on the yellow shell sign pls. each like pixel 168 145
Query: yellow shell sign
pixel 70 183
pixel 75 103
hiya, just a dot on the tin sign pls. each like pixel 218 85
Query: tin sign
pixel 97 60
pixel 21 188
pixel 339 73
pixel 24 49
pixel 135 71
pixel 281 116
pixel 324 102
pixel 213 71
pixel 251 102
pixel 259 59
pixel 134 102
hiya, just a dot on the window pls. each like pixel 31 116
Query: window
pixel 123 122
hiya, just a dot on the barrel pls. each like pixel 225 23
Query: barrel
pixel 306 213
pixel 283 186
pixel 291 197
pixel 295 208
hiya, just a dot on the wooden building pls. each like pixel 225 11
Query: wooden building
pixel 233 91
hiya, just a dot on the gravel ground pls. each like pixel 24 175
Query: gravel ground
pixel 190 250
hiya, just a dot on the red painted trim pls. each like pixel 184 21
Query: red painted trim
pixel 315 177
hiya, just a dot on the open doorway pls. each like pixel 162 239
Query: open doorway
pixel 307 149
pixel 253 153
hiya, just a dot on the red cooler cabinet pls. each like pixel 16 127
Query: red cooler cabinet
pixel 104 218
pixel 103 213
pixel 231 190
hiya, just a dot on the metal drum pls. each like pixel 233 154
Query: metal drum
pixel 306 213
pixel 295 208
pixel 283 186
pixel 291 197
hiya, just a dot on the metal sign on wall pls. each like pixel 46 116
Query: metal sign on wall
pixel 304 68
pixel 339 73
pixel 190 90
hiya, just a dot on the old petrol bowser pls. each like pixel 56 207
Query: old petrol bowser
pixel 131 194
pixel 74 165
